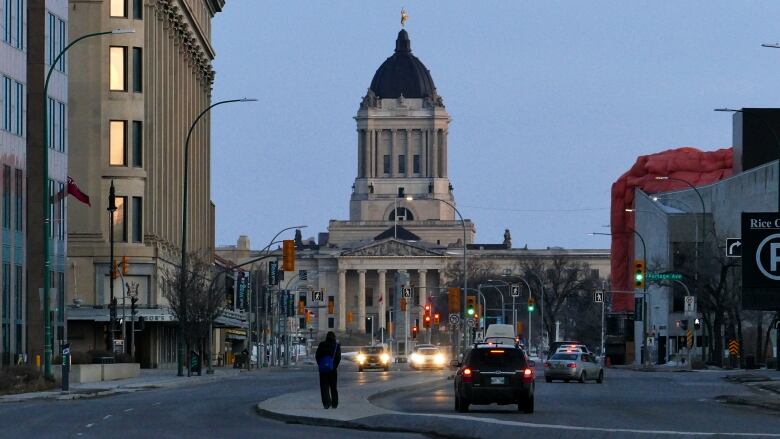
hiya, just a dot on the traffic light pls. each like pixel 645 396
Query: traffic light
pixel 288 255
pixel 403 304
pixel 427 317
pixel 308 316
pixel 133 307
pixel 639 273
pixel 125 265
pixel 697 324
pixel 436 319
pixel 470 309
pixel 453 300
pixel 301 307
pixel 531 304
pixel 414 332
pixel 114 269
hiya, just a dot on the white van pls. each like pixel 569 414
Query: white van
pixel 500 333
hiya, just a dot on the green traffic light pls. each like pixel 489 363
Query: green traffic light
pixel 531 308
pixel 471 311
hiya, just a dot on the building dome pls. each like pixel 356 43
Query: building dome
pixel 402 74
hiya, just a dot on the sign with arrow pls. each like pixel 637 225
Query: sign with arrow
pixel 734 247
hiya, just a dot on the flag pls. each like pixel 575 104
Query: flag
pixel 73 189
pixel 381 299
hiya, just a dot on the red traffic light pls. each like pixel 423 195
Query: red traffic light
pixel 427 307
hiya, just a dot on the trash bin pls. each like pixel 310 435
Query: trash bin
pixel 750 362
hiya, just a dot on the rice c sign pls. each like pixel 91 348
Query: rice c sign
pixel 761 260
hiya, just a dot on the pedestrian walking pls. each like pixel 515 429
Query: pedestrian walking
pixel 328 358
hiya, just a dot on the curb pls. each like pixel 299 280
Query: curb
pixel 764 403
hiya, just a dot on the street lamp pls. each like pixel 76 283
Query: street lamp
pixel 465 268
pixel 500 294
pixel 47 343
pixel 184 210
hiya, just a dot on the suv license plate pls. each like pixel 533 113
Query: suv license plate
pixel 496 380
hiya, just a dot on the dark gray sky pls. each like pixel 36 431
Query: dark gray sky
pixel 551 102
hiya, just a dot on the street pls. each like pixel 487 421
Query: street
pixel 222 409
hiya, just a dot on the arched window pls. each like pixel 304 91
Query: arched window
pixel 402 213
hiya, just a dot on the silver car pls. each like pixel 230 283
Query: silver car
pixel 569 366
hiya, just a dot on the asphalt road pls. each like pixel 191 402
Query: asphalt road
pixel 221 409
pixel 651 401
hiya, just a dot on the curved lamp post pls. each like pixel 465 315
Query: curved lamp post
pixel 47 343
pixel 465 268
pixel 183 267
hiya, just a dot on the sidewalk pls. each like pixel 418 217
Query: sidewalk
pixel 765 385
pixel 354 401
pixel 149 379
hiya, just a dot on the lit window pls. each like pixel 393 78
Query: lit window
pixel 117 143
pixel 118 68
pixel 119 8
pixel 120 220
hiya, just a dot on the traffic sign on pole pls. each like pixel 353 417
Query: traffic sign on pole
pixel 734 247
pixel 598 296
pixel 407 293
pixel 454 319
pixel 515 290
pixel 316 296
pixel 690 305
pixel 761 261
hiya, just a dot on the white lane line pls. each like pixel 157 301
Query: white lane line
pixel 156 403
pixel 600 429
pixel 128 410
pixel 90 425
pixel 106 417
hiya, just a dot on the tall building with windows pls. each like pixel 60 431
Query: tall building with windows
pixel 134 98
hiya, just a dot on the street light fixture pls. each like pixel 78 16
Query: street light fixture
pixel 465 268
pixel 47 343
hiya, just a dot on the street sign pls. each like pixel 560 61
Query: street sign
pixel 650 341
pixel 515 290
pixel 761 261
pixel 471 322
pixel 690 305
pixel 689 338
pixel 273 273
pixel 598 297
pixel 454 319
pixel 407 293
pixel 664 276
pixel 316 296
pixel 733 346
pixel 734 247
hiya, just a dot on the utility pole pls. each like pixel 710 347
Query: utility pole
pixel 112 309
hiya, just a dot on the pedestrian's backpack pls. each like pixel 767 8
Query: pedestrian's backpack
pixel 326 362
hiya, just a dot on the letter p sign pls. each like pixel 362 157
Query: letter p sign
pixel 768 257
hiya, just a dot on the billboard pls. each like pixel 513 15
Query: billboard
pixel 761 260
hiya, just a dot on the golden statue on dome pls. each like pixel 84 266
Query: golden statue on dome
pixel 404 17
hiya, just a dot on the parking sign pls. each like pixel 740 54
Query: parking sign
pixel 761 260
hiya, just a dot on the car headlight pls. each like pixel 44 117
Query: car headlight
pixel 439 359
pixel 416 358
pixel 384 358
pixel 361 358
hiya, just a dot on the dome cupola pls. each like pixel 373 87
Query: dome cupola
pixel 403 74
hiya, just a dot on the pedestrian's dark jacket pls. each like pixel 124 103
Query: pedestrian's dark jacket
pixel 326 348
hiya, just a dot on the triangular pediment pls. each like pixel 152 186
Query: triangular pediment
pixel 398 232
pixel 391 247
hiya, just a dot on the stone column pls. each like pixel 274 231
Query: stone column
pixel 367 145
pixel 435 154
pixel 445 135
pixel 360 320
pixel 409 154
pixel 394 150
pixel 382 298
pixel 341 301
pixel 422 298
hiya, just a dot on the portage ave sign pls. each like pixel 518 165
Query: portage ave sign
pixel 761 260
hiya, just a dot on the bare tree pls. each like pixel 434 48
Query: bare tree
pixel 195 301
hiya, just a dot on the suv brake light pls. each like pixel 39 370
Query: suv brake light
pixel 467 375
pixel 528 375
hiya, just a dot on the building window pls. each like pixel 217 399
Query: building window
pixel 369 297
pixel 416 163
pixel 118 68
pixel 57 121
pixel 331 322
pixel 387 164
pixel 6 197
pixel 402 164
pixel 117 143
pixel 331 304
pixel 402 213
pixel 60 218
pixel 18 213
pixel 6 93
pixel 120 220
pixel 137 69
pixel 119 8
pixel 13 22
pixel 138 144
pixel 55 41
pixel 138 8
pixel 137 220
pixel 18 307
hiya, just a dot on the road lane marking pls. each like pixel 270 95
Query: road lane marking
pixel 90 425
pixel 156 403
pixel 600 429
pixel 106 417
pixel 128 410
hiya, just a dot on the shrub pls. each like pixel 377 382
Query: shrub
pixel 96 354
pixel 21 379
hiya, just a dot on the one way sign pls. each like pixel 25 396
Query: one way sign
pixel 734 247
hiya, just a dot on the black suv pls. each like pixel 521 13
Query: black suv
pixel 492 373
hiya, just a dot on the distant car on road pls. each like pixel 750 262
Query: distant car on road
pixel 554 346
pixel 569 366
pixel 373 357
pixel 428 357
pixel 494 373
